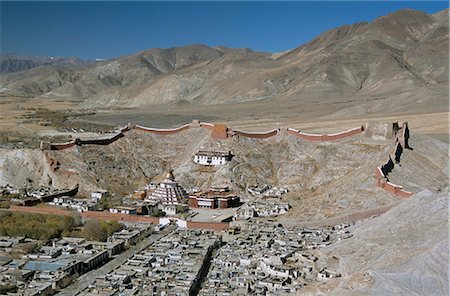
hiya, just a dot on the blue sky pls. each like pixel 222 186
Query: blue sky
pixel 109 29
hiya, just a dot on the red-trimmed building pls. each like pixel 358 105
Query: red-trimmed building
pixel 217 197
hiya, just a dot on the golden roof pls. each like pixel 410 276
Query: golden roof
pixel 170 176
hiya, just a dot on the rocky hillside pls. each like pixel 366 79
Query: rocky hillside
pixel 10 63
pixel 403 55
pixel 402 252
pixel 325 179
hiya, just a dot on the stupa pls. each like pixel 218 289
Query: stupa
pixel 168 192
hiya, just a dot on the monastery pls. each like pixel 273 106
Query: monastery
pixel 218 197
pixel 212 157
pixel 168 192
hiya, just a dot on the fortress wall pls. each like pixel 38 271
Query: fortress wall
pixel 395 189
pixel 162 131
pixel 107 141
pixel 404 140
pixel 220 132
pixel 256 135
pixel 381 173
pixel 387 167
pixel 102 141
pixel 326 137
pixel 207 125
pixel 126 128
pixel 398 151
pixel 61 146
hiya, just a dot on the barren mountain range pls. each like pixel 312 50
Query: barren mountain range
pixel 403 55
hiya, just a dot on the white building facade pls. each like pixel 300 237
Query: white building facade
pixel 212 157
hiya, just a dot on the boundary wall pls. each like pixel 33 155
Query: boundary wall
pixel 256 135
pixel 326 137
pixel 207 125
pixel 94 141
pixel 382 172
pixel 223 132
pixel 161 131
pixel 218 132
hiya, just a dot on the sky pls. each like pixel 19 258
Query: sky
pixel 108 29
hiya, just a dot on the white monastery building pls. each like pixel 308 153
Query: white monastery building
pixel 212 157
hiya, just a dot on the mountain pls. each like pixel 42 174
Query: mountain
pixel 402 252
pixel 403 56
pixel 10 63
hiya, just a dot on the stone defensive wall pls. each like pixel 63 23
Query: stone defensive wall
pixel 161 131
pixel 256 135
pixel 382 172
pixel 218 132
pixel 326 137
pixel 93 141
pixel 61 146
pixel 207 125
pixel 114 217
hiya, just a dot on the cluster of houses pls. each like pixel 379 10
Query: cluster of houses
pixel 174 265
pixel 8 189
pixel 272 260
pixel 267 190
pixel 32 196
pixel 47 269
pixel 264 208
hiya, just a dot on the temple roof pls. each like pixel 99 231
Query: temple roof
pixel 170 176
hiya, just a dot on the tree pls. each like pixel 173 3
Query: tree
pixel 93 230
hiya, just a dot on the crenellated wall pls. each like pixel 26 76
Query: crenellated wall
pixel 161 131
pixel 101 141
pixel 256 135
pixel 95 141
pixel 61 146
pixel 382 172
pixel 207 125
pixel 218 132
pixel 223 132
pixel 326 137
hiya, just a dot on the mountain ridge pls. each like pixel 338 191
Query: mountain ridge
pixel 396 54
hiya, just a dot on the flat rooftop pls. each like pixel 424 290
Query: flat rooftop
pixel 212 215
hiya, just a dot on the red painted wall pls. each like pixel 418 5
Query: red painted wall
pixel 326 137
pixel 263 135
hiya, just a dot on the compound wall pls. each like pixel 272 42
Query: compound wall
pixel 326 137
pixel 162 131
pixel 256 135
pixel 382 172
